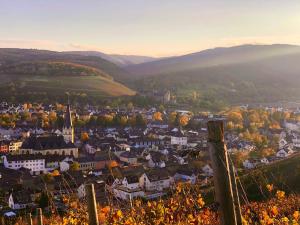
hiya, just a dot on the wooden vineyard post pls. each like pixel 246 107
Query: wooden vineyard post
pixel 91 203
pixel 29 219
pixel 236 198
pixel 222 180
pixel 39 216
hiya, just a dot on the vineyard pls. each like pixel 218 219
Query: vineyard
pixel 186 206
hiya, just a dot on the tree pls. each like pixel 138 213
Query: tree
pixel 161 108
pixel 229 125
pixel 52 118
pixel 55 173
pixel 84 136
pixel 43 200
pixel 267 152
pixel 130 106
pixel 172 117
pixel 183 120
pixel 157 116
pixel 235 117
pixel 275 125
pixel 108 119
pixel 93 121
pixel 132 121
pixel 74 166
pixel 140 121
pixel 123 120
pixel 254 117
pixel 59 122
pixel 112 164
pixel 177 120
pixel 239 157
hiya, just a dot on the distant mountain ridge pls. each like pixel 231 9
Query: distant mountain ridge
pixel 235 75
pixel 120 60
pixel 212 57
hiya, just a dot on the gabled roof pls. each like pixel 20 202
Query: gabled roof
pixel 157 174
pixel 128 154
pixel 24 157
pixel 46 143
pixel 22 197
pixel 131 179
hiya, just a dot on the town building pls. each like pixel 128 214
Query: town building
pixel 48 145
pixel 35 163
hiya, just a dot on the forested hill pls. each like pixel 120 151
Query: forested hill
pixel 244 74
pixel 39 74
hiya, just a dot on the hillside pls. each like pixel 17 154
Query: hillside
pixel 51 68
pixel 211 58
pixel 244 77
pixel 14 55
pixel 284 175
pixel 120 60
pixel 32 74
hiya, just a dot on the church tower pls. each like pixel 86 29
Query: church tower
pixel 68 129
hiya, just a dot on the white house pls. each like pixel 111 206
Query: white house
pixel 98 184
pixel 125 193
pixel 185 175
pixel 282 143
pixel 284 153
pixel 296 141
pixel 248 164
pixel 19 201
pixel 156 162
pixel 292 126
pixel 127 188
pixel 208 171
pixel 156 180
pixel 264 160
pixel 64 166
pixel 36 163
pixel 178 140
pixel 90 149
pixel 54 162
pixel 131 182
pixel 129 157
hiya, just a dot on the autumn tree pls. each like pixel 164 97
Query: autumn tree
pixel 172 117
pixel 74 166
pixel 235 117
pixel 230 125
pixel 52 118
pixel 140 121
pixel 84 136
pixel 265 152
pixel 157 116
pixel 55 173
pixel 239 157
pixel 130 106
pixel 183 120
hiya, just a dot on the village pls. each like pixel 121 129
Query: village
pixel 50 151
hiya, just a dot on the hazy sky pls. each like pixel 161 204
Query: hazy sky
pixel 147 27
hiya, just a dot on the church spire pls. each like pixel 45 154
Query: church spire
pixel 68 129
pixel 68 117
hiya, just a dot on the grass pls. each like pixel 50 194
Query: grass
pixel 90 85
